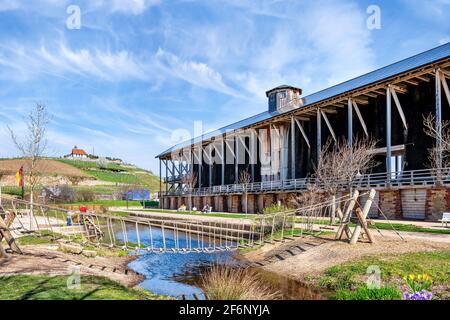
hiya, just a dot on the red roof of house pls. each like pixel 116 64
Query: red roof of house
pixel 79 152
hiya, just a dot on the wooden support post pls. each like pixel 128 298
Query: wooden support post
pixel 236 159
pixel 445 86
pixel 327 122
pixel 362 223
pixel 346 216
pixel 167 174
pixel 254 151
pixel 200 165
pixel 223 162
pixel 350 123
pixel 399 108
pixel 361 119
pixel 319 134
pixel 292 147
pixel 303 133
pixel 5 233
pixel 388 134
pixel 160 181
pixel 438 118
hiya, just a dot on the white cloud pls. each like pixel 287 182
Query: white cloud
pixel 196 73
pixel 61 60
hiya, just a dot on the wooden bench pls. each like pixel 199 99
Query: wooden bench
pixel 445 218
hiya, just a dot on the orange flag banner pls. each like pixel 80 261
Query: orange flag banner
pixel 19 177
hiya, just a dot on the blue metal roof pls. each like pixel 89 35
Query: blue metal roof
pixel 389 71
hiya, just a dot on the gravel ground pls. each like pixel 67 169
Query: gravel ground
pixel 331 253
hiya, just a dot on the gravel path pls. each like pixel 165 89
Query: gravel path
pixel 332 253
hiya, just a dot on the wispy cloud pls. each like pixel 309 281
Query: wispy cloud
pixel 62 60
pixel 196 73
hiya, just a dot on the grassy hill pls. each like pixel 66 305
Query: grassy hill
pixel 86 170
pixel 116 173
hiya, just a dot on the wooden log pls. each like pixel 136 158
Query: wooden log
pixel 5 233
pixel 2 252
pixel 362 218
pixel 364 224
pixel 346 216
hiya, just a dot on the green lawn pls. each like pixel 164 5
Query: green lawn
pixel 117 173
pixel 33 287
pixel 407 227
pixel 348 280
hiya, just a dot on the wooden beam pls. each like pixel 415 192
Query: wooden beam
pixel 445 86
pixel 303 133
pixel 328 125
pixel 399 108
pixel 399 88
pixel 328 110
pixel 362 215
pixel 423 78
pixel 370 95
pixel 412 82
pixel 361 120
pixel 361 101
pixel 445 72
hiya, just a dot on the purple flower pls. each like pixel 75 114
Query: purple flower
pixel 422 295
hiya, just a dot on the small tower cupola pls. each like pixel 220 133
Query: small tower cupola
pixel 284 98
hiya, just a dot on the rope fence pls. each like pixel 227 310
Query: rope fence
pixel 143 235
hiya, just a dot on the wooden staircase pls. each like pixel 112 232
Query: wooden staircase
pixel 93 231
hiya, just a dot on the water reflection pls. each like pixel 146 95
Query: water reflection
pixel 178 274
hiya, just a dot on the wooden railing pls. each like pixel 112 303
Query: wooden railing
pixel 425 177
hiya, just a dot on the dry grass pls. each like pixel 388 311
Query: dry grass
pixel 44 166
pixel 227 283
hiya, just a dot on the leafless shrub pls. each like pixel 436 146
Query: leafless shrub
pixel 308 197
pixel 244 179
pixel 85 196
pixel 189 180
pixel 102 163
pixel 227 283
pixel 434 156
pixel 339 165
pixel 66 194
pixel 33 145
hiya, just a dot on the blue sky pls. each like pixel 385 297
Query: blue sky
pixel 137 75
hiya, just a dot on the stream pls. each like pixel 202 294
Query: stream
pixel 179 274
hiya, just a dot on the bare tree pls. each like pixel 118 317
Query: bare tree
pixel 438 159
pixel 340 165
pixel 102 163
pixel 189 180
pixel 244 179
pixel 33 146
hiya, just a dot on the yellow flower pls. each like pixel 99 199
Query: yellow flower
pixel 419 277
pixel 411 277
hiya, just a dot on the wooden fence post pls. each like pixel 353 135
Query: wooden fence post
pixel 362 219
pixel 346 217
